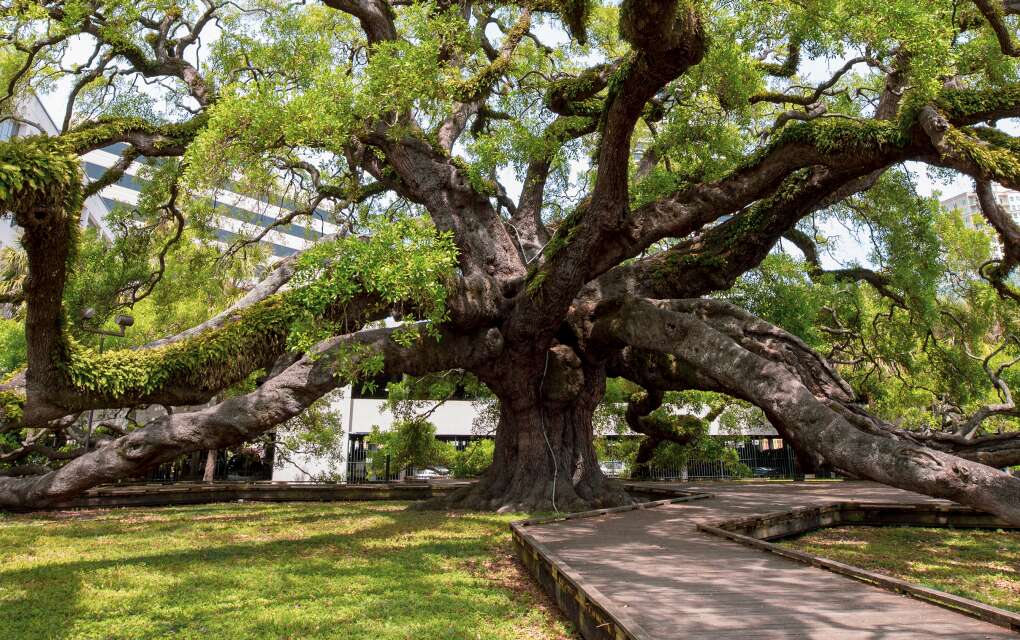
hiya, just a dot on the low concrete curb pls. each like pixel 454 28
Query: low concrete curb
pixel 754 532
pixel 160 495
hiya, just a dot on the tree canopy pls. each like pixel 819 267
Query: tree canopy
pixel 546 195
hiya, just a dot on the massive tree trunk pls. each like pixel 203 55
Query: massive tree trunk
pixel 545 458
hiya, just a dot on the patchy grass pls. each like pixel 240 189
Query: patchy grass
pixel 978 564
pixel 300 570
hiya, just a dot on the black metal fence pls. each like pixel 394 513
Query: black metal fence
pixel 759 457
pixel 364 465
pixel 248 463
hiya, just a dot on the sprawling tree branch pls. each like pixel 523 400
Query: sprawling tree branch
pixel 728 350
pixel 233 421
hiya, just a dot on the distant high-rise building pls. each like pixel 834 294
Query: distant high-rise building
pixel 239 214
pixel 967 203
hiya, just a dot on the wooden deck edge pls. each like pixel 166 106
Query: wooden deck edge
pixel 682 496
pixel 981 611
pixel 580 601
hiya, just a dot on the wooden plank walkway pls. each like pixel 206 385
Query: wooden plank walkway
pixel 653 568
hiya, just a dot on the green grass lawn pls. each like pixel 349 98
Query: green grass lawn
pixel 301 570
pixel 978 564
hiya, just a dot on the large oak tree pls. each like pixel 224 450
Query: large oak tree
pixel 546 193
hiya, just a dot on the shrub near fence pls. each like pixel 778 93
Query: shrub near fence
pixel 758 457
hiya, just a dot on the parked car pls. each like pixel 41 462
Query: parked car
pixel 429 474
pixel 764 472
pixel 613 468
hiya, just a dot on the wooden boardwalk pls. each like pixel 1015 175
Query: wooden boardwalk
pixel 654 569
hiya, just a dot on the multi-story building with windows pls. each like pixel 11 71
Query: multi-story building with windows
pixel 967 203
pixel 238 214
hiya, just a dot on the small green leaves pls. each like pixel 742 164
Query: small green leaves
pixel 404 261
pixel 38 172
pixel 12 406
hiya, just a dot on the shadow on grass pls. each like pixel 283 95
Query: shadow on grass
pixel 390 573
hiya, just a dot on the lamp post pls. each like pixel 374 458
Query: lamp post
pixel 123 321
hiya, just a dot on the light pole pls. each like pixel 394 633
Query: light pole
pixel 123 321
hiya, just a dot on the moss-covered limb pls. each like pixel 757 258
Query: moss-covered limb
pixel 979 152
pixel 993 154
pixel 149 138
pixel 329 364
pixel 971 106
pixel 205 364
pixel 574 96
pixel 838 135
pixel 188 371
pixel 479 85
pixel 712 261
pixel 832 137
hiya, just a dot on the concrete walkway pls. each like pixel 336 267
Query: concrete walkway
pixel 654 568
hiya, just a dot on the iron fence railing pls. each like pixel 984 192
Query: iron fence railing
pixel 361 471
pixel 760 458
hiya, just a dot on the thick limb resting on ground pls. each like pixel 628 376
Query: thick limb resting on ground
pixel 718 347
pixel 284 395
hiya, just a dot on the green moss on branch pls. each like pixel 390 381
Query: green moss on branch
pixel 208 362
pixel 38 172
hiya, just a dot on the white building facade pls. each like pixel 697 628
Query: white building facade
pixel 967 203
pixel 457 422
